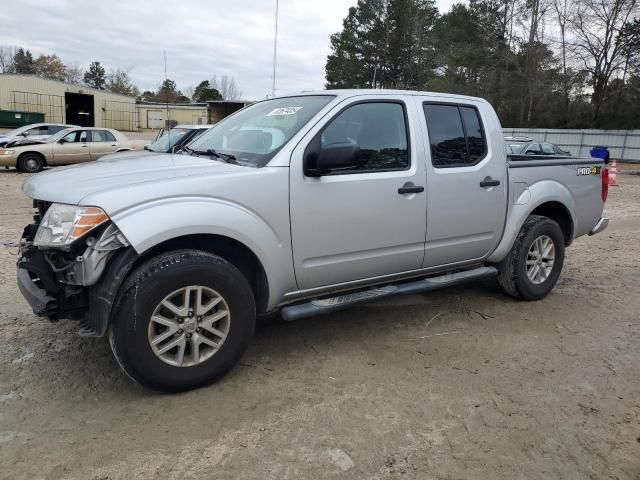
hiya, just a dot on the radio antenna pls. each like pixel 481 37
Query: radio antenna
pixel 275 49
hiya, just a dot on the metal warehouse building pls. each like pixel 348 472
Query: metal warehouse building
pixel 155 115
pixel 67 103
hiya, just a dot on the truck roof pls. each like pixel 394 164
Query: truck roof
pixel 380 91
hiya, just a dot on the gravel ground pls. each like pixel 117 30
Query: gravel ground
pixel 463 383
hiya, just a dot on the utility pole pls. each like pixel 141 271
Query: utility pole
pixel 275 47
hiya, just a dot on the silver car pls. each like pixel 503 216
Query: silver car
pixel 35 131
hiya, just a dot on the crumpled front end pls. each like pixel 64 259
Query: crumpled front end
pixel 63 282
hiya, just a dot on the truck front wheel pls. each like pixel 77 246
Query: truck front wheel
pixel 533 266
pixel 183 319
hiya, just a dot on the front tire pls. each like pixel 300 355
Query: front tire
pixel 30 163
pixel 182 320
pixel 535 261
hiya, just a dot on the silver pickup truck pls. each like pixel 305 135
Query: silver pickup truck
pixel 303 205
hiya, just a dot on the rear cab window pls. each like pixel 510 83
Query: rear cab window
pixel 456 134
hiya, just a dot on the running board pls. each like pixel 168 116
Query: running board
pixel 328 305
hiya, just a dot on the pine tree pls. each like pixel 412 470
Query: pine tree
pixel 95 77
pixel 23 62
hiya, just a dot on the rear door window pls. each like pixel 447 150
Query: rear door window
pixel 456 135
pixel 55 129
pixel 534 149
pixel 102 136
pixel 548 149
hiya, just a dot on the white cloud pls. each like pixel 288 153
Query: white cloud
pixel 201 38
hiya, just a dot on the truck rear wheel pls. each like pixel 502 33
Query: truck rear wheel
pixel 533 266
pixel 182 320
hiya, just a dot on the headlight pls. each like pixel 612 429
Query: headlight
pixel 62 224
pixel 7 152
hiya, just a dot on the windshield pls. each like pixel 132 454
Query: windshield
pixel 57 136
pixel 168 140
pixel 255 134
pixel 517 147
pixel 16 131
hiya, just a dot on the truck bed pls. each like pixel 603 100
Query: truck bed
pixel 579 178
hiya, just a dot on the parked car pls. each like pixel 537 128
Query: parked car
pixel 171 140
pixel 72 145
pixel 300 205
pixel 35 131
pixel 167 141
pixel 536 148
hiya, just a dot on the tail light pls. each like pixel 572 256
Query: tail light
pixel 605 184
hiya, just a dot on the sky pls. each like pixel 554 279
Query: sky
pixel 201 38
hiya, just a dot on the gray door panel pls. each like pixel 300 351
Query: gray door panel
pixel 352 226
pixel 465 220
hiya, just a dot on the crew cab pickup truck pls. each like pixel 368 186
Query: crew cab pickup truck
pixel 300 205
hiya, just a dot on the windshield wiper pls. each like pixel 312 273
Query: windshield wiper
pixel 225 157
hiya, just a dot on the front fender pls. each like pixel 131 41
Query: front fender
pixel 150 224
pixel 523 201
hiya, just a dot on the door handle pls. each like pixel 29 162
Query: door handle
pixel 406 189
pixel 489 182
pixel 85 146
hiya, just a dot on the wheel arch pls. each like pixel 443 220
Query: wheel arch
pixel 232 250
pixel 547 198
pixel 172 220
pixel 559 213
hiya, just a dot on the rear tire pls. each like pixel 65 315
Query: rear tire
pixel 30 163
pixel 186 280
pixel 527 274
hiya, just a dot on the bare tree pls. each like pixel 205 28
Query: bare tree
pixel 601 42
pixel 227 87
pixel 188 92
pixel 564 10
pixel 533 11
pixel 73 74
pixel 7 53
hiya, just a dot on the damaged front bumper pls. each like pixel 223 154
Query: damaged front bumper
pixel 78 283
pixel 41 303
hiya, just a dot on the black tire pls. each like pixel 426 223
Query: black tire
pixel 513 269
pixel 147 286
pixel 30 163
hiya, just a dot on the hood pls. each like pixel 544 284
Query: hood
pixel 127 154
pixel 73 183
pixel 23 142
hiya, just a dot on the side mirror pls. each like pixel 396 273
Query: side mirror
pixel 337 155
pixel 146 147
pixel 62 140
pixel 23 134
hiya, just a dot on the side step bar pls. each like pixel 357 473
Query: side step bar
pixel 329 305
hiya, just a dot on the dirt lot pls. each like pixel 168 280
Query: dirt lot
pixel 459 384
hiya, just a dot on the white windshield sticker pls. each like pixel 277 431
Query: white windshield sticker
pixel 283 111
